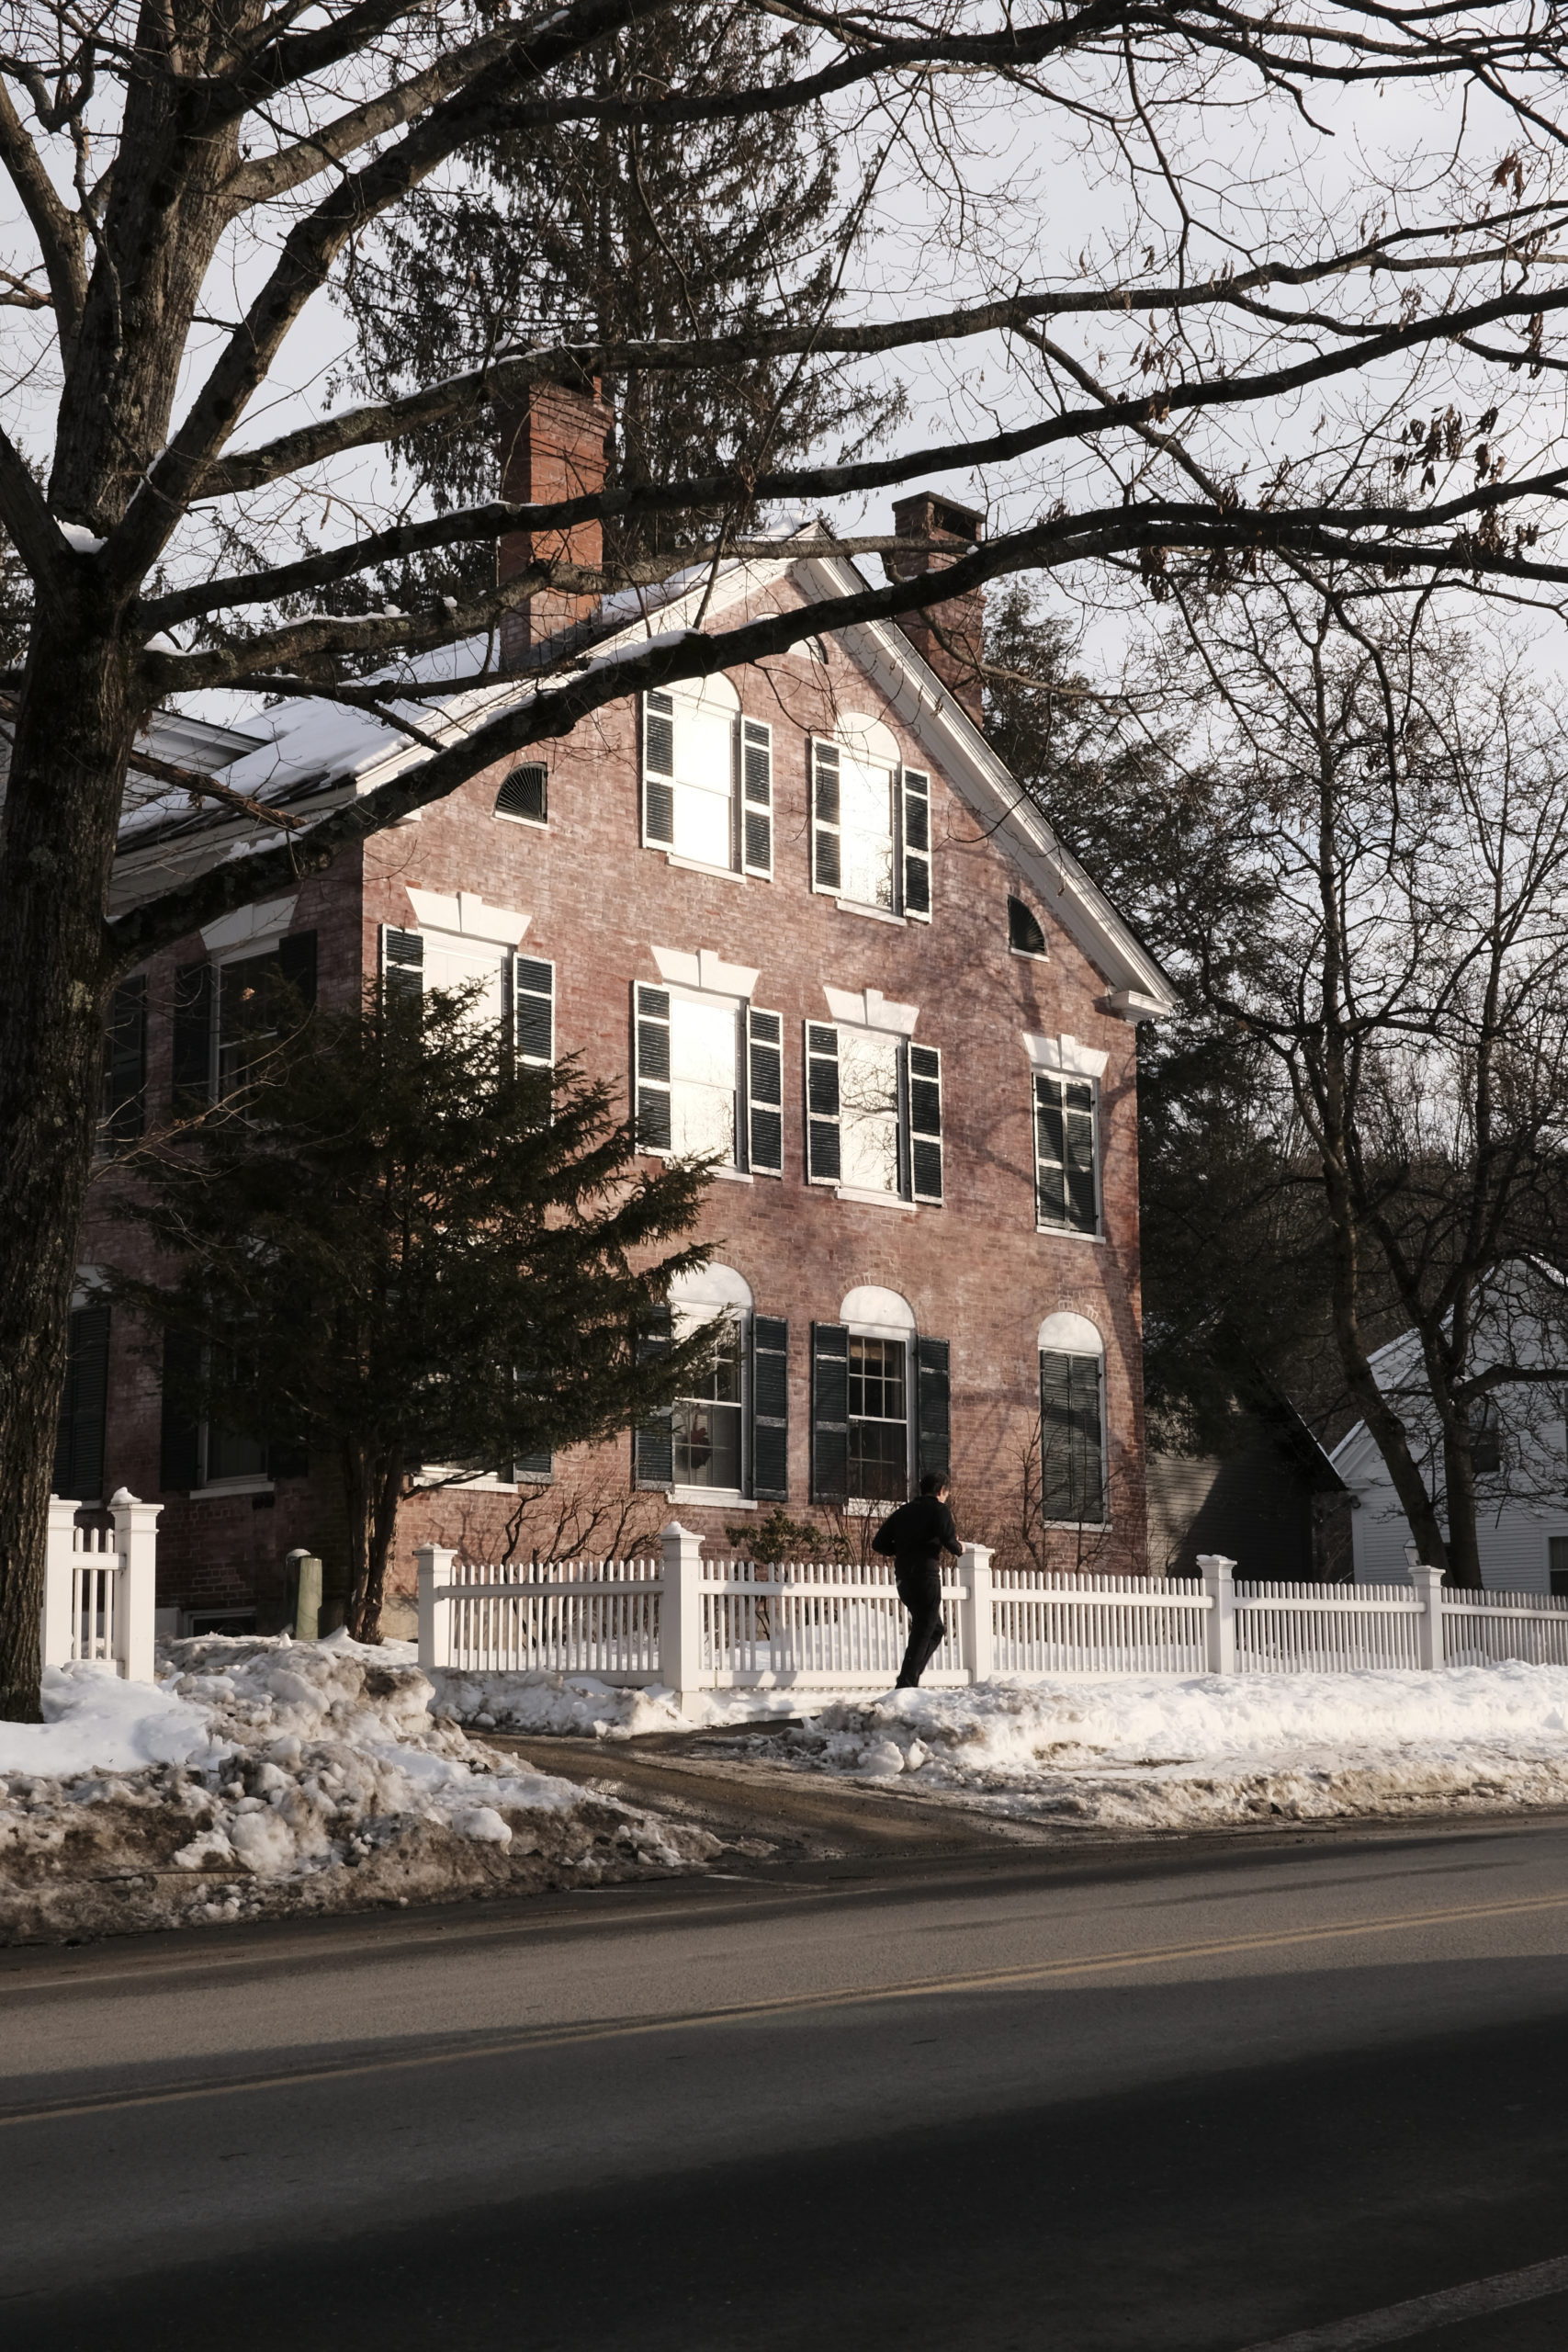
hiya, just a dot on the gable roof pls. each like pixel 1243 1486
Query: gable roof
pixel 311 751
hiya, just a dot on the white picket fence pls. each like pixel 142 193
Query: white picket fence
pixel 99 1588
pixel 691 1624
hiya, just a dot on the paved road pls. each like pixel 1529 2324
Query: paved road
pixel 1195 2096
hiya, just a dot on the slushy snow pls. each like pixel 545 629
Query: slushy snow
pixel 1163 1753
pixel 266 1775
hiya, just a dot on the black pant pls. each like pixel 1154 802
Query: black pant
pixel 919 1589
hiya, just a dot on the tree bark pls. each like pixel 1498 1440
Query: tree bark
pixel 74 727
pixel 373 1491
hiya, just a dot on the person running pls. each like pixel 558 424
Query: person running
pixel 914 1538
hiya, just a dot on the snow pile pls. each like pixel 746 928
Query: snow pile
pixel 1163 1753
pixel 580 1705
pixel 266 1776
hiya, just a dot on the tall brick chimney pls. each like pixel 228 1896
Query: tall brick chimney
pixel 554 443
pixel 950 636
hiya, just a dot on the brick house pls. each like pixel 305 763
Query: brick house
pixel 802 916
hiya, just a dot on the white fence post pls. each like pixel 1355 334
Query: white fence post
pixel 681 1612
pixel 1218 1573
pixel 1429 1584
pixel 434 1565
pixel 136 1540
pixel 975 1614
pixel 59 1582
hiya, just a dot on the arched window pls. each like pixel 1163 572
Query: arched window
pixel 1024 935
pixel 1072 1422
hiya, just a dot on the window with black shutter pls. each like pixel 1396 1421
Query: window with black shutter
pixel 180 1437
pixel 533 1011
pixel 403 965
pixel 764 1092
pixel 524 795
pixel 824 1156
pixel 83 1408
pixel 829 1413
pixel 826 861
pixel 534 1469
pixel 933 1442
pixel 651 1067
pixel 1067 1187
pixel 916 830
pixel 659 771
pixel 192 1039
pixel 653 1440
pixel 925 1123
pixel 770 1408
pixel 757 798
pixel 124 1107
pixel 1072 1444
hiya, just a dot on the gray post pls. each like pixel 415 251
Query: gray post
pixel 306 1595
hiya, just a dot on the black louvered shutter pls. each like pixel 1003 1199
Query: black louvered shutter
pixel 125 1062
pixel 824 1154
pixel 764 1092
pixel 403 965
pixel 528 1469
pixel 192 1042
pixel 770 1408
pixel 83 1408
pixel 653 1440
pixel 826 868
pixel 659 771
pixel 925 1123
pixel 534 1011
pixel 1072 1472
pixel 829 1413
pixel 651 1074
pixel 757 797
pixel 179 1446
pixel 917 799
pixel 297 967
pixel 932 1412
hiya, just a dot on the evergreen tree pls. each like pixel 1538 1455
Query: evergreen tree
pixel 622 232
pixel 397 1249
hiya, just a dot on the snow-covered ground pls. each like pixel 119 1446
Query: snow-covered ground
pixel 1154 1752
pixel 266 1776
pixel 1160 1753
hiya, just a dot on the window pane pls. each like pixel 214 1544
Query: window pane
pixel 865 797
pixel 234 1457
pixel 703 1050
pixel 246 1014
pixel 705 784
pixel 707 1445
pixel 454 963
pixel 879 1440
pixel 868 1099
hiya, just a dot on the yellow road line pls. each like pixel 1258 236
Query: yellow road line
pixel 544 2037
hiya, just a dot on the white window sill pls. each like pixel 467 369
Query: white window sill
pixel 875 914
pixel 699 865
pixel 733 1175
pixel 1071 1232
pixel 731 1497
pixel 1079 1526
pixel 1029 955
pixel 534 824
pixel 222 1489
pixel 874 1200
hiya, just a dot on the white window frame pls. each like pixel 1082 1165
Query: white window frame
pixel 738 1008
pixel 718 695
pixel 1067 1059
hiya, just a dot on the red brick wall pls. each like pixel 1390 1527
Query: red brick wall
pixel 975 1271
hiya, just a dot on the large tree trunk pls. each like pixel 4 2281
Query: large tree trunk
pixel 57 841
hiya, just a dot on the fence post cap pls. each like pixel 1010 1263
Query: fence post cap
pixel 675 1528
pixel 123 1495
pixel 1215 1562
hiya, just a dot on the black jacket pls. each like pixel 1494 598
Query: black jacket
pixel 921 1530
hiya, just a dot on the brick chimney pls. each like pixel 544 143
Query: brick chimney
pixel 950 636
pixel 554 443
